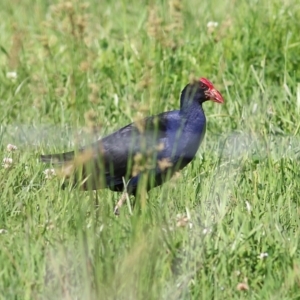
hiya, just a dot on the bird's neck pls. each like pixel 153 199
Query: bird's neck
pixel 191 131
pixel 191 110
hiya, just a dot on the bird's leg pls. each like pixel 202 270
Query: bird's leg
pixel 120 203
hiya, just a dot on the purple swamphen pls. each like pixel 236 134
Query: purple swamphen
pixel 149 151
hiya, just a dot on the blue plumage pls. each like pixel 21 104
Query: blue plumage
pixel 154 149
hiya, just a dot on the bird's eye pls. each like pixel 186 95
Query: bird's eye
pixel 202 85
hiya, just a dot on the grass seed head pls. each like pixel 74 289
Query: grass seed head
pixel 164 164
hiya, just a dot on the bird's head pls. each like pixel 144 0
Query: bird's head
pixel 199 91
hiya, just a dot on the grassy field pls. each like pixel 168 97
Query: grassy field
pixel 228 226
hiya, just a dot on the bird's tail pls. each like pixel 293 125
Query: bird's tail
pixel 58 159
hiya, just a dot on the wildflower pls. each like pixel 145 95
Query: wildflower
pixel 49 173
pixel 7 162
pixel 12 75
pixel 212 24
pixel 263 255
pixel 11 148
pixel 206 231
pixel 182 221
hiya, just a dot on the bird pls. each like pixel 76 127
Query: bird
pixel 150 150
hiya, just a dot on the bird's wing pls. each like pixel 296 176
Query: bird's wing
pixel 116 155
pixel 136 143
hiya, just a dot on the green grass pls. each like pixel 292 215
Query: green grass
pixel 116 58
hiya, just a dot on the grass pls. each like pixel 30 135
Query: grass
pixel 102 64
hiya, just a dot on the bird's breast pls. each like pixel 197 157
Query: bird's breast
pixel 184 141
pixel 193 140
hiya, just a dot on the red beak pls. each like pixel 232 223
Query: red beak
pixel 215 95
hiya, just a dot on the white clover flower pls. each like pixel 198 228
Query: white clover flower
pixel 49 173
pixel 263 255
pixel 11 148
pixel 3 231
pixel 12 75
pixel 206 231
pixel 212 24
pixel 182 220
pixel 7 162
